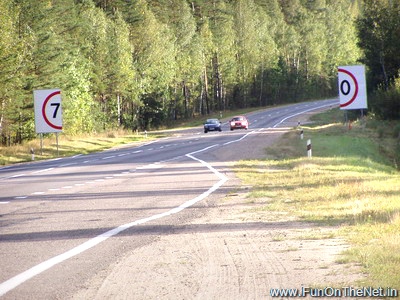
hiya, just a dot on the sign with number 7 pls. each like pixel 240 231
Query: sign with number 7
pixel 48 111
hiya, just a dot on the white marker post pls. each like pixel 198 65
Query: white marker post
pixel 309 151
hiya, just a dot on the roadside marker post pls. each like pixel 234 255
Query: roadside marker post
pixel 309 151
pixel 33 153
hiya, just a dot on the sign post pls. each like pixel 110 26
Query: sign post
pixel 48 112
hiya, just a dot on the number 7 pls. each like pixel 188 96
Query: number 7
pixel 56 110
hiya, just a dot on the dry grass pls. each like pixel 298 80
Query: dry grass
pixel 347 183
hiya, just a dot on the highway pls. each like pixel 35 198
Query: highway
pixel 64 220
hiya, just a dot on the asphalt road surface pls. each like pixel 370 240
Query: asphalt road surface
pixel 64 220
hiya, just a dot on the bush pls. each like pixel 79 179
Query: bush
pixel 386 104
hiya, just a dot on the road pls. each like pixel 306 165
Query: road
pixel 64 220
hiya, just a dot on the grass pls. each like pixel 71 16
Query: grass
pixel 350 183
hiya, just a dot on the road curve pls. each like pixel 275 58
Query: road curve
pixel 62 221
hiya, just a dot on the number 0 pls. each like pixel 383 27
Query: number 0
pixel 342 87
pixel 57 105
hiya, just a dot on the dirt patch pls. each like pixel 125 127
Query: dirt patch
pixel 235 252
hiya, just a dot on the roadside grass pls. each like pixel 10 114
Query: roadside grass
pixel 349 183
pixel 70 145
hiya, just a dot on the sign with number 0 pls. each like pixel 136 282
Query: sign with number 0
pixel 48 112
pixel 352 87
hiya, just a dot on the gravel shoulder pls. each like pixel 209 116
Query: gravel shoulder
pixel 234 250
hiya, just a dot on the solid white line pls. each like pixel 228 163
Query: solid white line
pixel 299 113
pixel 15 281
pixel 243 137
pixel 4 202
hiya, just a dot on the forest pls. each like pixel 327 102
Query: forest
pixel 142 64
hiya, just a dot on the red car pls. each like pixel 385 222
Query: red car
pixel 239 122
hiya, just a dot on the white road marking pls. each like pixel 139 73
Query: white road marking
pixel 38 193
pixel 299 113
pixel 41 171
pixel 66 165
pixel 243 137
pixel 109 157
pixel 21 197
pixel 15 281
pixel 4 202
pixel 19 175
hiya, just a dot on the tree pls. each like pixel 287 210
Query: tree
pixel 379 36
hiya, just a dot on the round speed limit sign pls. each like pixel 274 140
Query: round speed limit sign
pixel 48 111
pixel 352 87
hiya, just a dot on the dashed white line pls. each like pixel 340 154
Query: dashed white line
pixel 18 175
pixel 109 157
pixel 41 171
pixel 66 165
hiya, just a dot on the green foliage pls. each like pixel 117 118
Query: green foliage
pixel 379 36
pixel 112 59
pixel 386 103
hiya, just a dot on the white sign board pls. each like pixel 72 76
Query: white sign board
pixel 352 87
pixel 48 112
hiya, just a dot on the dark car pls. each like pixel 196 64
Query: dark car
pixel 212 125
pixel 239 122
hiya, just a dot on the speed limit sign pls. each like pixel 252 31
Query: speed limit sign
pixel 48 112
pixel 352 87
